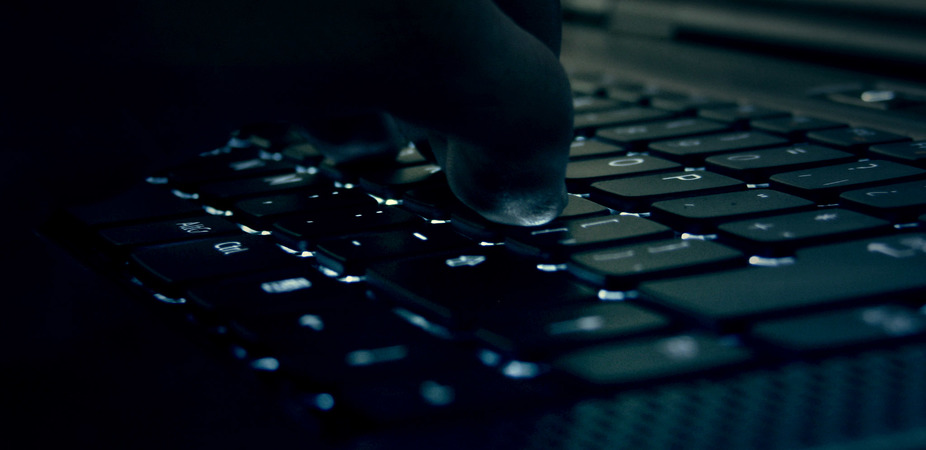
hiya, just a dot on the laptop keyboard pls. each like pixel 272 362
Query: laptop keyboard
pixel 702 238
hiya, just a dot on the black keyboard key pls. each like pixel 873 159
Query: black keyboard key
pixel 260 213
pixel 757 165
pixel 281 291
pixel 305 231
pixel 692 151
pixel 433 202
pixel 780 235
pixel 912 153
pixel 185 229
pixel 579 174
pixel 391 184
pixel 559 239
pixel 189 176
pixel 636 194
pixel 841 329
pixel 898 202
pixel 740 114
pixel 701 214
pixel 854 139
pixel 142 203
pixel 588 122
pixel 589 104
pixel 471 224
pixel 543 332
pixel 794 127
pixel 447 389
pixel 623 267
pixel 222 195
pixel 826 183
pixel 635 135
pixel 328 348
pixel 352 255
pixel 581 207
pixel 590 148
pixel 890 267
pixel 631 92
pixel 456 288
pixel 683 103
pixel 173 265
pixel 649 360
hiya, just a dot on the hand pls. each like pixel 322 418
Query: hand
pixel 480 79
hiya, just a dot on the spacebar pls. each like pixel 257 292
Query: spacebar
pixel 891 267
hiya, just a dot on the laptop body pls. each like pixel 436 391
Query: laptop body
pixel 99 366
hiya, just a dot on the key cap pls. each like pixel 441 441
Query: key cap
pixel 333 347
pixel 351 172
pixel 185 229
pixel 548 331
pixel 305 231
pixel 589 104
pixel 640 134
pixel 557 240
pixel 827 276
pixel 649 360
pixel 631 92
pixel 588 122
pixel 456 288
pixel 391 184
pixel 171 266
pixel 590 148
pixel 683 103
pixel 701 215
pixel 793 127
pixel 142 203
pixel 780 235
pixel 911 153
pixel 222 195
pixel 757 165
pixel 352 255
pixel 260 213
pixel 579 174
pixel 826 183
pixel 692 151
pixel 470 224
pixel 199 171
pixel 449 389
pixel 855 139
pixel 623 267
pixel 842 329
pixel 898 202
pixel 281 291
pixel 740 114
pixel 636 194
pixel 434 202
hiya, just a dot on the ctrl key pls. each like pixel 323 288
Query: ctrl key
pixel 653 359
pixel 169 266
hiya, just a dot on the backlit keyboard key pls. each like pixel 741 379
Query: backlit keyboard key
pixel 826 183
pixel 622 268
pixel 779 235
pixel 650 131
pixel 172 265
pixel 692 151
pixel 557 240
pixel 840 274
pixel 757 165
pixel 651 359
pixel 636 194
pixel 701 214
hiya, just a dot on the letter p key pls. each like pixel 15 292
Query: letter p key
pixel 685 177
